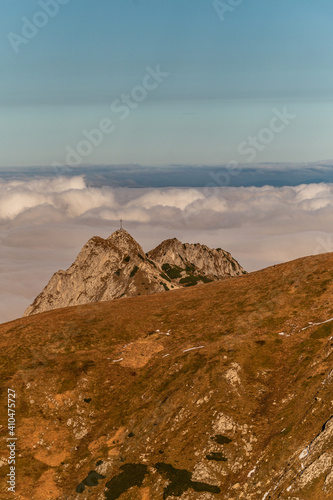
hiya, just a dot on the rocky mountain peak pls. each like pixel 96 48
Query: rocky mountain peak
pixel 124 241
pixel 117 266
pixel 215 262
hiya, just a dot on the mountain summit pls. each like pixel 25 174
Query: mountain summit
pixel 124 241
pixel 213 262
pixel 115 267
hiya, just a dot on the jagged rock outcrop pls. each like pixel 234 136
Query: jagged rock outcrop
pixel 202 260
pixel 105 269
pixel 115 267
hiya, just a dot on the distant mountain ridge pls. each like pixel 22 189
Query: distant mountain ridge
pixel 116 267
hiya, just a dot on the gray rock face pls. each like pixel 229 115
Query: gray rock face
pixel 314 461
pixel 116 267
pixel 211 262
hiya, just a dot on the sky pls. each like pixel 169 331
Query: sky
pixel 225 69
pixel 205 120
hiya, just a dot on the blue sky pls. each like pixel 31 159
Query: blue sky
pixel 225 78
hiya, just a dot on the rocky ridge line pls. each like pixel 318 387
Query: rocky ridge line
pixel 107 269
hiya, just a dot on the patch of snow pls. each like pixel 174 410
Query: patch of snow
pixel 304 453
pixel 251 472
pixel 192 348
pixel 316 324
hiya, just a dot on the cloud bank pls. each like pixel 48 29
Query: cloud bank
pixel 231 174
pixel 45 221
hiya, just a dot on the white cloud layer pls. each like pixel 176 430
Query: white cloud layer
pixel 45 222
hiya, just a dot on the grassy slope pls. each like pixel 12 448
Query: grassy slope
pixel 269 384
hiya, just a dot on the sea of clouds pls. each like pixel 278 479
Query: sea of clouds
pixel 44 222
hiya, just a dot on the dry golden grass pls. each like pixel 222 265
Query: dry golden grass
pixel 65 368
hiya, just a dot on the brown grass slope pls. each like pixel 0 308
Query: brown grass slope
pixel 112 404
